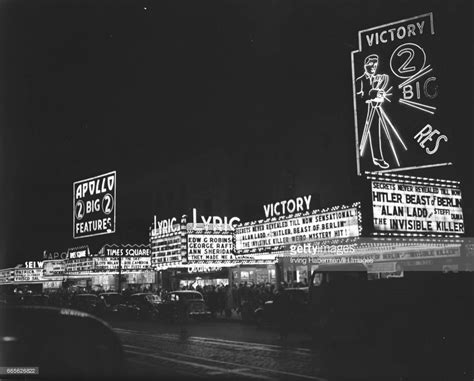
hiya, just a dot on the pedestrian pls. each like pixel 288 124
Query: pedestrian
pixel 229 302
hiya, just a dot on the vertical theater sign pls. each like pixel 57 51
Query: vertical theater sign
pixel 396 98
pixel 94 205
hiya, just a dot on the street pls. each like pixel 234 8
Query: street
pixel 215 349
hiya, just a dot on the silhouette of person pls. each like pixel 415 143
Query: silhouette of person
pixel 372 88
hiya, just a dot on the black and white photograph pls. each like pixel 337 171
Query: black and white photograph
pixel 236 190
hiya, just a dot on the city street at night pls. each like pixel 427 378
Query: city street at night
pixel 215 350
pixel 236 190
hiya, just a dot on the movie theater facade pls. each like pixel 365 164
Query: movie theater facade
pixel 403 223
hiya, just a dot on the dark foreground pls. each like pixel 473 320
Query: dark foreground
pixel 215 350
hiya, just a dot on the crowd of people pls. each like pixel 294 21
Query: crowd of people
pixel 222 300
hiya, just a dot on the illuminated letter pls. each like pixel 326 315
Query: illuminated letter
pixel 234 220
pixel 276 212
pixel 78 192
pixel 411 30
pixel 370 39
pixel 283 203
pixel 442 137
pixel 84 189
pixel 267 209
pixel 429 137
pixel 425 88
pixel 392 35
pixel 91 187
pixel 425 131
pixel 291 209
pixel 110 182
pixel 299 204
pixel 194 218
pixel 384 40
pixel 420 26
pixel 307 200
pixel 398 32
pixel 407 92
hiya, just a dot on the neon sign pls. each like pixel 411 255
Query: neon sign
pixel 396 98
pixel 430 207
pixel 94 205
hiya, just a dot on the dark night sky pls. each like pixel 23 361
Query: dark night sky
pixel 255 97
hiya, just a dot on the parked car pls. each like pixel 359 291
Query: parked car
pixel 140 306
pixel 109 304
pixel 64 344
pixel 298 307
pixel 85 302
pixel 182 305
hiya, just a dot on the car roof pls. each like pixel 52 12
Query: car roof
pixel 304 289
pixel 143 293
pixel 185 292
pixel 95 296
pixel 109 293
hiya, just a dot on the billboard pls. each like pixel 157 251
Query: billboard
pixel 7 275
pixel 28 275
pixel 276 234
pixel 396 98
pixel 94 206
pixel 54 267
pixel 126 250
pixel 166 243
pixel 426 207
pixel 210 247
pixel 127 263
pixel 80 265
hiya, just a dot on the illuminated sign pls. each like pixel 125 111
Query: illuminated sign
pixel 94 205
pixel 127 263
pixel 166 242
pixel 416 207
pixel 79 265
pixel 203 269
pixel 55 255
pixel 28 275
pixel 213 222
pixel 300 204
pixel 165 251
pixel 7 275
pixel 168 226
pixel 78 252
pixel 51 268
pixel 34 264
pixel 335 223
pixel 210 247
pixel 396 100
pixel 125 250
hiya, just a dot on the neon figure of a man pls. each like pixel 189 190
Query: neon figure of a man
pixel 372 88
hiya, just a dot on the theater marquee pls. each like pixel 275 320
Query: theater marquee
pixel 210 247
pixel 417 207
pixel 396 98
pixel 333 223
